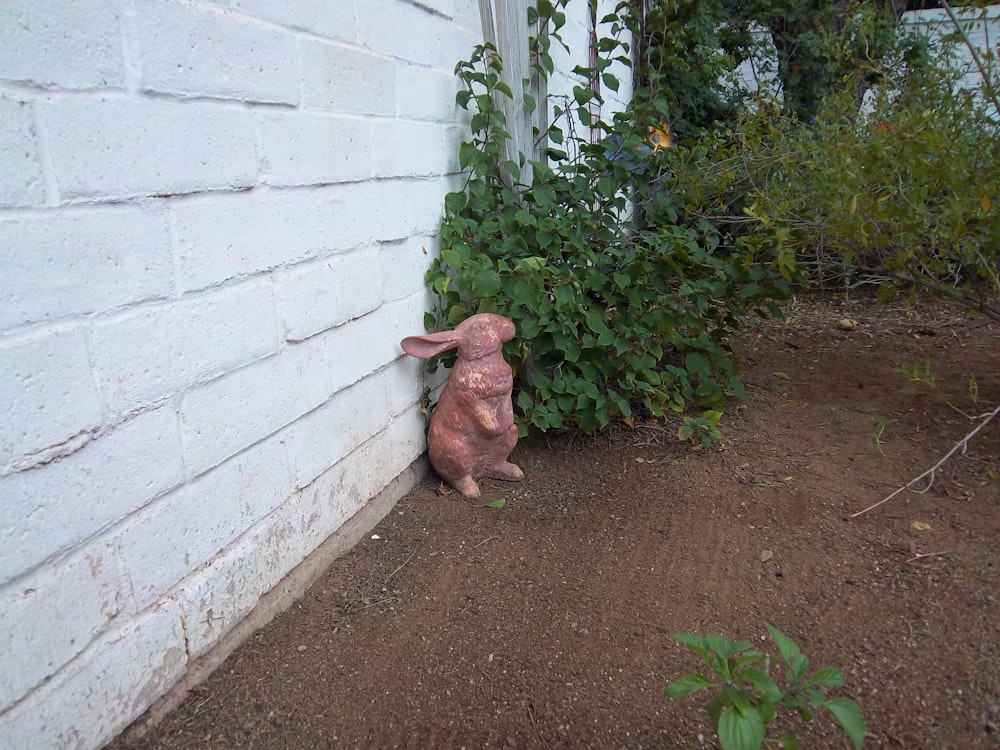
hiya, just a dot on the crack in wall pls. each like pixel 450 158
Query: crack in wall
pixel 47 455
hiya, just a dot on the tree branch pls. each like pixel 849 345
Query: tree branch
pixel 930 473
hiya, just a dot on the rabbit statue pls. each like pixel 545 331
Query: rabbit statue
pixel 472 430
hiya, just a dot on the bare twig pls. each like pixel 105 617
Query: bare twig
pixel 534 724
pixel 402 565
pixel 487 539
pixel 929 475
pixel 988 83
pixel 922 555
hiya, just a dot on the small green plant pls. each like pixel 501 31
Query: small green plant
pixel 747 698
pixel 921 372
pixel 918 372
pixel 880 429
pixel 705 427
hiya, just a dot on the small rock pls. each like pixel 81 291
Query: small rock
pixel 847 324
pixel 766 555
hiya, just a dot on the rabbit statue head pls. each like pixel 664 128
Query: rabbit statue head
pixel 472 430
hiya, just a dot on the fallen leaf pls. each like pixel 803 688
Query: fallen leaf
pixel 920 526
pixel 782 375
pixel 498 503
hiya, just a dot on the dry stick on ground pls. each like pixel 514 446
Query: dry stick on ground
pixel 931 472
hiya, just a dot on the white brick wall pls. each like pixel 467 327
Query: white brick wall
pixel 215 220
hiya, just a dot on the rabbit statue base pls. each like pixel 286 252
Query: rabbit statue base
pixel 472 430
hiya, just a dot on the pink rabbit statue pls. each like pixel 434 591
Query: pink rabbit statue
pixel 472 430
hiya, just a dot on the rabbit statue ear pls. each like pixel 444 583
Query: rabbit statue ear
pixel 427 346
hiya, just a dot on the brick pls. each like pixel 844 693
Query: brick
pixel 108 478
pixel 345 487
pixel 405 265
pixel 21 181
pixel 340 79
pixel 323 437
pixel 405 381
pixel 47 395
pixel 69 45
pixel 467 17
pixel 242 407
pixel 264 231
pixel 398 208
pixel 444 7
pixel 219 595
pixel 371 342
pixel 48 618
pixel 186 528
pixel 315 297
pixel 81 262
pixel 143 356
pixel 189 50
pixel 412 33
pixel 321 17
pixel 401 443
pixel 424 152
pixel 311 149
pixel 108 686
pixel 370 211
pixel 424 93
pixel 119 148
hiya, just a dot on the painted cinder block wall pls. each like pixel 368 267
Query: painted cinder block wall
pixel 213 223
pixel 215 218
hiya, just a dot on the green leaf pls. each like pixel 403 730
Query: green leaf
pixel 582 94
pixel 467 154
pixel 686 685
pixel 455 202
pixel 827 678
pixel 764 685
pixel 789 741
pixel 696 364
pixel 498 503
pixel 696 643
pixel 786 646
pixel 740 731
pixel 849 716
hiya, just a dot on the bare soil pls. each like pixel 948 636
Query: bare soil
pixel 546 623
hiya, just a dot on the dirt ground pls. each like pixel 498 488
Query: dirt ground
pixel 547 623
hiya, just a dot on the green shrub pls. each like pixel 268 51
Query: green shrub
pixel 900 193
pixel 620 304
